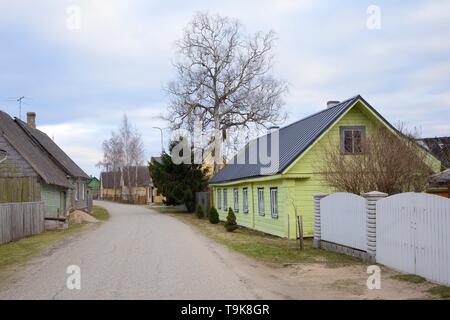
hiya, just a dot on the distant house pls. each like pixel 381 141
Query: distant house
pixel 129 184
pixel 439 184
pixel 94 187
pixel 35 168
pixel 439 147
pixel 268 198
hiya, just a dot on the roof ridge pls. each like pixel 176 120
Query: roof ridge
pixel 321 111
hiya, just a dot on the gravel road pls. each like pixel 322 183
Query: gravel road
pixel 138 254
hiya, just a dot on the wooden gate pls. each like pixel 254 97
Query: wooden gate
pixel 413 235
pixel 343 220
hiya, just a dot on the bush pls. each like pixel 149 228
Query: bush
pixel 213 215
pixel 231 224
pixel 199 212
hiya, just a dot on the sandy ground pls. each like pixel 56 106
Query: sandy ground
pixel 141 254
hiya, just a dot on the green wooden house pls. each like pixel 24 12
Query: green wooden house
pixel 269 200
pixel 94 187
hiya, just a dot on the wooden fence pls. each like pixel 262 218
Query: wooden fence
pixel 21 219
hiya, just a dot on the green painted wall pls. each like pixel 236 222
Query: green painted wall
pixel 94 184
pixel 298 183
pixel 54 200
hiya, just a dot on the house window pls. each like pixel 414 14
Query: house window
pixel 82 191
pixel 236 199
pixel 77 192
pixel 224 199
pixel 3 155
pixel 274 202
pixel 261 201
pixel 219 201
pixel 245 200
pixel 352 139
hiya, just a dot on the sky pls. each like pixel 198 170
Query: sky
pixel 83 64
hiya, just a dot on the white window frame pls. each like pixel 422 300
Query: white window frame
pixel 261 202
pixel 219 198
pixel 236 199
pixel 224 199
pixel 245 200
pixel 274 202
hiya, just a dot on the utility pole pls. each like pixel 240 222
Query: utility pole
pixel 19 100
pixel 162 142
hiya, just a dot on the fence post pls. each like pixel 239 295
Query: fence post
pixel 371 222
pixel 317 232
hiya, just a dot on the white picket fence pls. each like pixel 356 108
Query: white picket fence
pixel 413 235
pixel 409 232
pixel 343 217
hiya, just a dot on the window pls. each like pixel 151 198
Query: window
pixel 274 202
pixel 224 199
pixel 352 139
pixel 261 201
pixel 82 191
pixel 3 155
pixel 77 191
pixel 219 200
pixel 236 199
pixel 245 200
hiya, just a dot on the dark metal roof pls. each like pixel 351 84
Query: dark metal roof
pixel 32 152
pixel 294 140
pixel 110 179
pixel 139 176
pixel 54 151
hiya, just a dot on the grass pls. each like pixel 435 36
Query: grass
pixel 100 213
pixel 18 252
pixel 261 246
pixel 440 291
pixel 412 278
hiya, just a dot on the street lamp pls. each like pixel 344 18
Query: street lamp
pixel 162 143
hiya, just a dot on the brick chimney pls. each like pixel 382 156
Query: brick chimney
pixel 31 119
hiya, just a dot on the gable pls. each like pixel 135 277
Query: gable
pixel 14 165
pixel 357 115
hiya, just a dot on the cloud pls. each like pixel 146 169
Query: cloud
pixel 83 81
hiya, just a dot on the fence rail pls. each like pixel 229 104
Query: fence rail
pixel 21 219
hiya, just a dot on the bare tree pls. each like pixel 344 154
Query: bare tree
pixel 112 157
pixel 122 151
pixel 390 163
pixel 133 150
pixel 223 78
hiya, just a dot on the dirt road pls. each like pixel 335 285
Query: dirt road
pixel 141 254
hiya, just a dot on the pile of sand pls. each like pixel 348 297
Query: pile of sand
pixel 78 216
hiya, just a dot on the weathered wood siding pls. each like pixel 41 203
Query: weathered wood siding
pixel 22 189
pixel 18 180
pixel 18 220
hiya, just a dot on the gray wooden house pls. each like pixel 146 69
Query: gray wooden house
pixel 34 168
